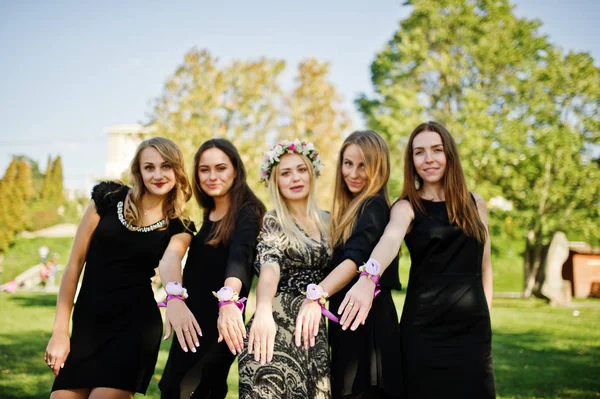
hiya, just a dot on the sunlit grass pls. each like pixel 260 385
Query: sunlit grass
pixel 539 351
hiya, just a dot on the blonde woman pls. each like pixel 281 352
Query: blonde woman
pixel 124 234
pixel 365 355
pixel 292 251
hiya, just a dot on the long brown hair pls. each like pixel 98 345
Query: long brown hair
pixel 461 209
pixel 239 194
pixel 377 166
pixel 174 205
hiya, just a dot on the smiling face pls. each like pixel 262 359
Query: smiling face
pixel 429 157
pixel 157 174
pixel 293 178
pixel 353 169
pixel 215 173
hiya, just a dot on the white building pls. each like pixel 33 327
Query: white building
pixel 123 140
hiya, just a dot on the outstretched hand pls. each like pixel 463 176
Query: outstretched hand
pixel 356 304
pixel 179 318
pixel 231 328
pixel 307 323
pixel 261 340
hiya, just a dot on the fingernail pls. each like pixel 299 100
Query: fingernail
pixel 344 328
pixel 185 349
pixel 197 343
pixel 165 338
pixel 233 352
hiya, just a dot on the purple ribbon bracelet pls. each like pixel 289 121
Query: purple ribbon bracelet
pixel 374 278
pixel 239 303
pixel 325 312
pixel 169 297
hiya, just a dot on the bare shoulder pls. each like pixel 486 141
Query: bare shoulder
pixel 480 202
pixel 402 208
pixel 481 208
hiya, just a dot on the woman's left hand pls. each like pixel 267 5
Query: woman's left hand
pixel 231 327
pixel 179 318
pixel 357 303
pixel 307 323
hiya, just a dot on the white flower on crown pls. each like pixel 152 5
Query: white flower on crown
pixel 272 157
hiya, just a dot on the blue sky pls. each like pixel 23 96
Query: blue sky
pixel 70 69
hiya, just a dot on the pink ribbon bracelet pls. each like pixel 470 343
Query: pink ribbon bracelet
pixel 169 297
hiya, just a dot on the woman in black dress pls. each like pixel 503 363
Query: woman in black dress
pixel 445 326
pixel 365 359
pixel 221 254
pixel 124 234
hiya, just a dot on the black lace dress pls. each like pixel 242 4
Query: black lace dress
pixel 294 373
pixel 205 372
pixel 367 361
pixel 117 326
pixel 446 331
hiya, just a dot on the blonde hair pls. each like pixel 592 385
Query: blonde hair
pixel 346 206
pixel 174 206
pixel 292 235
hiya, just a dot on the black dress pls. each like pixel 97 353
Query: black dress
pixel 367 361
pixel 446 332
pixel 204 373
pixel 117 326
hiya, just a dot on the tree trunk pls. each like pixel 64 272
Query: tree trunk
pixel 533 261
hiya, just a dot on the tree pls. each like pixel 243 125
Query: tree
pixel 24 184
pixel 46 188
pixel 244 102
pixel 7 233
pixel 24 180
pixel 37 177
pixel 316 115
pixel 56 177
pixel 524 113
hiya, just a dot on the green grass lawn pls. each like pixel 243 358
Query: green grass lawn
pixel 539 351
pixel 24 253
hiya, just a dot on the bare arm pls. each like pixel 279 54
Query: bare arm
pixel 230 322
pixel 401 216
pixel 339 277
pixel 261 339
pixel 358 301
pixel 178 317
pixel 486 266
pixel 59 345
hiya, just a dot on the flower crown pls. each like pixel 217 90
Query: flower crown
pixel 289 147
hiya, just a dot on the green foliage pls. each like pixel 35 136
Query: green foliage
pixel 21 206
pixel 525 114
pixel 15 211
pixel 243 102
pixel 56 177
pixel 37 176
pixel 46 189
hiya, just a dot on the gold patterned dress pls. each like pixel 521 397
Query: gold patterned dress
pixel 294 373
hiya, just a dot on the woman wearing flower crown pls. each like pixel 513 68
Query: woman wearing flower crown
pixel 365 360
pixel 221 254
pixel 445 326
pixel 292 252
pixel 124 234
